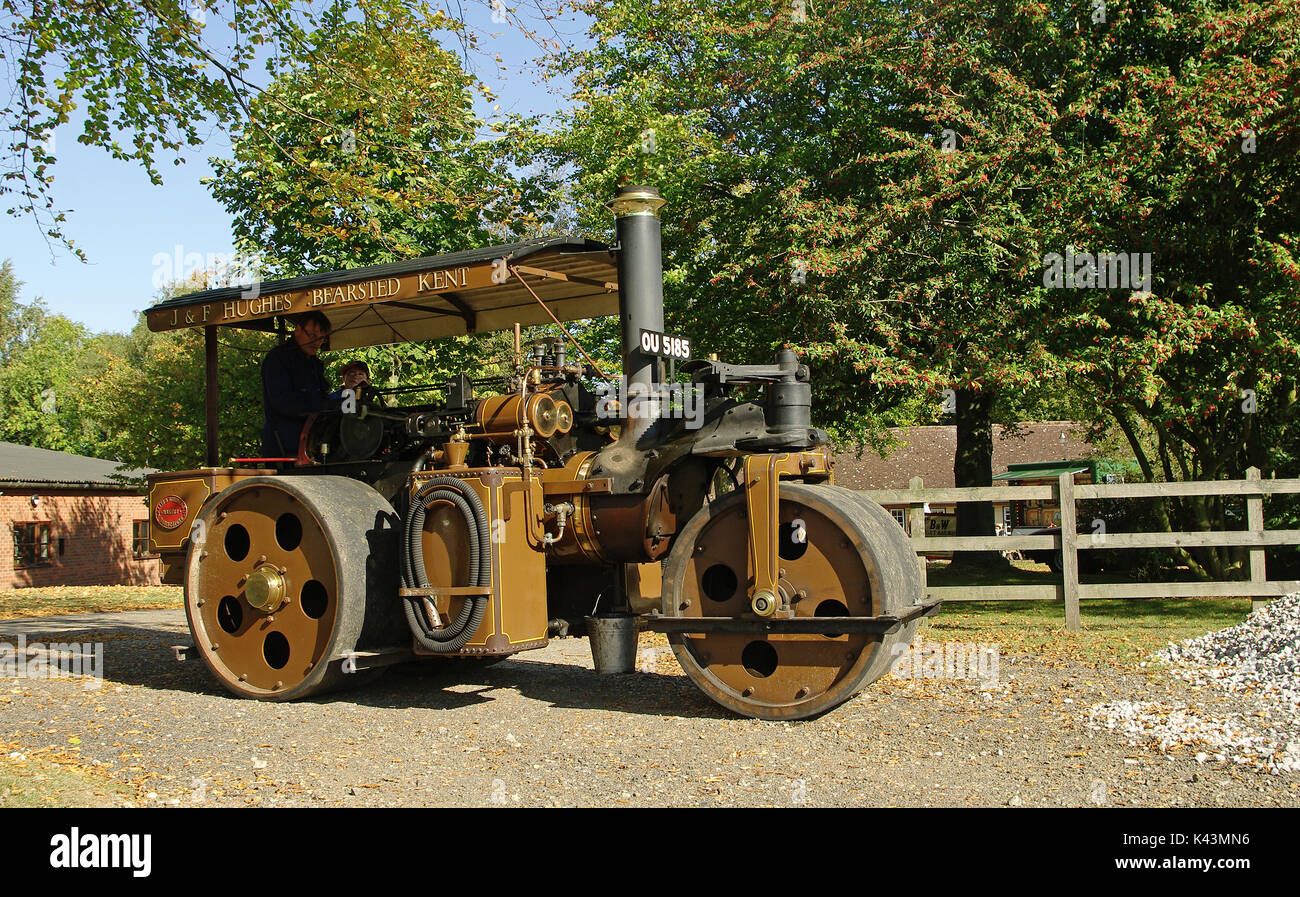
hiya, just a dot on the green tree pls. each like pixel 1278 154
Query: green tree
pixel 913 165
pixel 1190 135
pixel 17 321
pixel 386 164
pixel 40 354
pixel 145 80
pixel 364 149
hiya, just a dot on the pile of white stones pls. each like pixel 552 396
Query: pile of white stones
pixel 1258 659
pixel 1259 655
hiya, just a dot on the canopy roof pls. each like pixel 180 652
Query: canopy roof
pixel 420 299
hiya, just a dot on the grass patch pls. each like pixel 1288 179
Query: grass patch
pixel 1115 633
pixel 48 601
pixel 30 780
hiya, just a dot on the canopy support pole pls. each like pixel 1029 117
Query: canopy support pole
pixel 210 391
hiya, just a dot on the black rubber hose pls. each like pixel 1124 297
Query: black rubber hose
pixel 416 552
pixel 458 632
pixel 415 571
pixel 454 636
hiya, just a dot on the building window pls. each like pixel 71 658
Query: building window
pixel 901 516
pixel 140 538
pixel 32 545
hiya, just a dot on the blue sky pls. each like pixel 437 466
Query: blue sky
pixel 122 221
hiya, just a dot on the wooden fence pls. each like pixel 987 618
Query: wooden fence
pixel 1070 542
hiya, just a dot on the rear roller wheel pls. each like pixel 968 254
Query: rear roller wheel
pixel 284 576
pixel 842 555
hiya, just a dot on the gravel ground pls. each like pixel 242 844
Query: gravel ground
pixel 1256 667
pixel 543 729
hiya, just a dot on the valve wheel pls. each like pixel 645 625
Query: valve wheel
pixel 842 555
pixel 285 575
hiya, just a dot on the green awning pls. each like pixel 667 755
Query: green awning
pixel 1050 470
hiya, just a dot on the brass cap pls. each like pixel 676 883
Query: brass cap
pixel 563 416
pixel 265 588
pixel 635 199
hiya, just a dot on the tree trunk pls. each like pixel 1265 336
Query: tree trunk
pixel 973 466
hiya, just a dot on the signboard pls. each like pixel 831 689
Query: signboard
pixel 251 305
pixel 940 525
pixel 666 345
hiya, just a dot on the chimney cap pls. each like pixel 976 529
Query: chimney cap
pixel 636 199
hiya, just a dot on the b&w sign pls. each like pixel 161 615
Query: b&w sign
pixel 654 343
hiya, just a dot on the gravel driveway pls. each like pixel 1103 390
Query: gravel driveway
pixel 543 729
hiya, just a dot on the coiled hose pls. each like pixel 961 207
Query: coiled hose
pixel 452 637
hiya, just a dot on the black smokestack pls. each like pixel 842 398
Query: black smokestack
pixel 640 282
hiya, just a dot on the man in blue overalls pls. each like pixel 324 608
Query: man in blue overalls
pixel 293 385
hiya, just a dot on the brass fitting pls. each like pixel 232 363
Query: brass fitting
pixel 764 603
pixel 645 201
pixel 265 588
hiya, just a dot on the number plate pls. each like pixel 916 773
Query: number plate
pixel 655 343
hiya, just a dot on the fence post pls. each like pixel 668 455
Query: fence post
pixel 1069 551
pixel 1255 523
pixel 916 522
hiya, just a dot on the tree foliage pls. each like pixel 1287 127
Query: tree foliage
pixel 881 186
pixel 42 361
pixel 145 80
pixel 388 163
pixel 144 76
pixel 365 149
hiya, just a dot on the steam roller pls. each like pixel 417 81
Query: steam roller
pixel 468 521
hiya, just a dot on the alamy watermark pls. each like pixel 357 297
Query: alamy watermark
pixel 214 269
pixel 675 401
pixel 58 660
pixel 948 660
pixel 92 851
pixel 1248 403
pixel 1103 270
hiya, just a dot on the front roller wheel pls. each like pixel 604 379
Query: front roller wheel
pixel 286 574
pixel 841 556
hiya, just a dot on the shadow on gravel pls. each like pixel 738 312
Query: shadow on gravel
pixel 557 684
pixel 143 657
pixel 133 655
pixel 83 627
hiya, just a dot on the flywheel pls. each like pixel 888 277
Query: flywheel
pixel 841 555
pixel 288 574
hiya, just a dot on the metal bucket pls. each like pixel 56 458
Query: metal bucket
pixel 613 642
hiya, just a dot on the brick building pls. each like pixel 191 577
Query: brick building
pixel 928 453
pixel 71 520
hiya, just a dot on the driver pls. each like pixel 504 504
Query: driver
pixel 293 385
